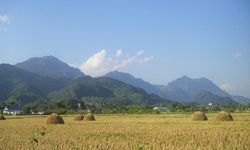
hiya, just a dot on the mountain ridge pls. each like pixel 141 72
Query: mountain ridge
pixel 183 89
pixel 22 87
pixel 50 66
pixel 137 82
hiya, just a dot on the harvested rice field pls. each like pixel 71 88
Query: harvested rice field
pixel 132 132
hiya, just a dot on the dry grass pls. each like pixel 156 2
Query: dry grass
pixel 164 131
pixel 199 116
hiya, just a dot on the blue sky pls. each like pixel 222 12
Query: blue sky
pixel 158 41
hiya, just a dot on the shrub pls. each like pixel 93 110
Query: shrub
pixel 89 117
pixel 224 116
pixel 78 118
pixel 2 117
pixel 54 119
pixel 199 116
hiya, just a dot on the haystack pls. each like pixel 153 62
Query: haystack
pixel 199 116
pixel 2 117
pixel 78 118
pixel 54 119
pixel 89 117
pixel 224 116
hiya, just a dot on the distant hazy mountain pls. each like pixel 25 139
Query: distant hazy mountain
pixel 241 99
pixel 185 88
pixel 17 84
pixel 181 89
pixel 136 82
pixel 50 66
pixel 206 97
pixel 109 91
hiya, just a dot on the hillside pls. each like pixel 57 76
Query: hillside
pixel 136 82
pixel 16 84
pixel 108 91
pixel 22 87
pixel 51 67
pixel 206 97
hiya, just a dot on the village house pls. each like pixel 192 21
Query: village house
pixel 11 111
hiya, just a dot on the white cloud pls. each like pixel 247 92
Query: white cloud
pixel 4 19
pixel 146 59
pixel 72 65
pixel 140 52
pixel 100 64
pixel 237 55
pixel 227 87
pixel 119 53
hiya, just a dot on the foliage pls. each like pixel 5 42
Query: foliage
pixel 100 91
pixel 39 132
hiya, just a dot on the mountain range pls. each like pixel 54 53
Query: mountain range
pixel 183 89
pixel 22 85
pixel 48 79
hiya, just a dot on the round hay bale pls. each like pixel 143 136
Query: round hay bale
pixel 2 117
pixel 89 117
pixel 224 116
pixel 199 116
pixel 54 119
pixel 78 118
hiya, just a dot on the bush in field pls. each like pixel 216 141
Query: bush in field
pixel 199 116
pixel 54 119
pixel 89 117
pixel 224 116
pixel 78 117
pixel 2 117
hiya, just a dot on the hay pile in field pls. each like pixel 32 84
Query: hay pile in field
pixel 89 117
pixel 78 118
pixel 224 116
pixel 2 117
pixel 54 119
pixel 199 116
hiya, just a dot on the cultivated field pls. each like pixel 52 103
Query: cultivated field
pixel 164 131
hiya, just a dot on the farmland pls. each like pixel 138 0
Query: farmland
pixel 163 131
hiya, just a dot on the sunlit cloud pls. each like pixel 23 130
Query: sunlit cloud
pixel 119 53
pixel 4 19
pixel 227 87
pixel 100 64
